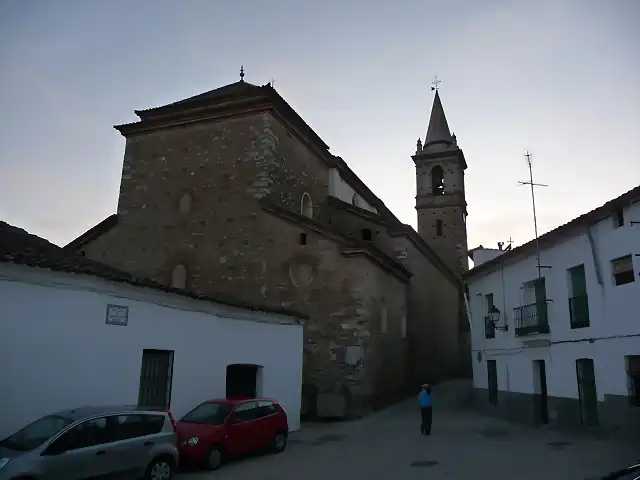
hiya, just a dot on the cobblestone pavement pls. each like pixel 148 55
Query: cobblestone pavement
pixel 464 445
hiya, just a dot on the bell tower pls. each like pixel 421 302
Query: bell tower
pixel 440 199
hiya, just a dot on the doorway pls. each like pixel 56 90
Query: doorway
pixel 541 412
pixel 156 378
pixel 243 380
pixel 587 391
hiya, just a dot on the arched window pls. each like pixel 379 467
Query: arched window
pixel 185 203
pixel 354 200
pixel 179 277
pixel 306 206
pixel 437 180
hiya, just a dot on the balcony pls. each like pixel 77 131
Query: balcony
pixel 579 311
pixel 489 327
pixel 531 319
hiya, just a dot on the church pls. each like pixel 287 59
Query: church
pixel 230 193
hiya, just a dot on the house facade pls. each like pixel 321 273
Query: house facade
pixel 231 193
pixel 563 347
pixel 74 333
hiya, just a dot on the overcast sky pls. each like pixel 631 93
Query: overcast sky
pixel 558 77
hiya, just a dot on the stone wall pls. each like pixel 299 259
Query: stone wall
pixel 434 313
pixel 435 305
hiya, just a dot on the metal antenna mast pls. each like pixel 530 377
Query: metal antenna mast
pixel 527 156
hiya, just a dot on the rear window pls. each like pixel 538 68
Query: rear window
pixel 267 408
pixel 208 413
pixel 137 425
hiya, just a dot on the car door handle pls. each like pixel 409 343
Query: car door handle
pixel 101 452
pixel 148 444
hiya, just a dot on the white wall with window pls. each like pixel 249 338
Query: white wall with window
pixel 339 188
pixel 69 340
pixel 585 305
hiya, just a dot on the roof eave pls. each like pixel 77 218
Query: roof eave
pixel 551 238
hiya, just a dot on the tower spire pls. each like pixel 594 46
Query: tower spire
pixel 438 131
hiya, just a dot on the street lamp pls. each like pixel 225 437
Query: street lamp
pixel 494 316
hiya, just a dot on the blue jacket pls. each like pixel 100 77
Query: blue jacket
pixel 425 399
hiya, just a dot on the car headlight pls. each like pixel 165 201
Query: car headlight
pixel 4 461
pixel 192 441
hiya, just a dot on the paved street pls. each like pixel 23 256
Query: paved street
pixel 464 445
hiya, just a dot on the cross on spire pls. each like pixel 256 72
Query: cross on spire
pixel 242 73
pixel 435 85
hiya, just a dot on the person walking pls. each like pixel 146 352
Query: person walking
pixel 426 409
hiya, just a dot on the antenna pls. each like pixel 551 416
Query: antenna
pixel 527 156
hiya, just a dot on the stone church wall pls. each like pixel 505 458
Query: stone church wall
pixel 434 305
pixel 229 245
pixel 434 312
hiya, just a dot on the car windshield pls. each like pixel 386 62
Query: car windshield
pixel 36 433
pixel 210 413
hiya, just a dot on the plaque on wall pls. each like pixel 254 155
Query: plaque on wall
pixel 117 315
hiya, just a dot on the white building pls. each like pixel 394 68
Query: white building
pixel 74 332
pixel 480 255
pixel 564 348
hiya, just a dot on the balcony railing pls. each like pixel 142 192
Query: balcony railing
pixel 579 311
pixel 531 319
pixel 489 327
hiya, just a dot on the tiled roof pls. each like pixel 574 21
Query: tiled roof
pixel 237 89
pixel 94 232
pixel 19 247
pixel 554 236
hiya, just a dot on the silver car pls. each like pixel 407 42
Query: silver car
pixel 93 442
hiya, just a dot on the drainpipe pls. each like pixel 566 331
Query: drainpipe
pixel 504 297
pixel 594 257
pixel 466 305
pixel 596 264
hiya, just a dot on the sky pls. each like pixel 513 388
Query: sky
pixel 557 77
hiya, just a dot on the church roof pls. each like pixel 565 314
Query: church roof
pixel 438 130
pixel 349 246
pixel 396 228
pixel 230 100
pixel 231 91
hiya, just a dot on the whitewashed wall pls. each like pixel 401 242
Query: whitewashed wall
pixel 57 352
pixel 614 313
pixel 483 255
pixel 339 188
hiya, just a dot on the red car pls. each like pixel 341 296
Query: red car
pixel 221 428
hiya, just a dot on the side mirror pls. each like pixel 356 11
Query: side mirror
pixel 234 420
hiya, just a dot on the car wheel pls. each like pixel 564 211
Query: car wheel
pixel 214 459
pixel 160 468
pixel 279 442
